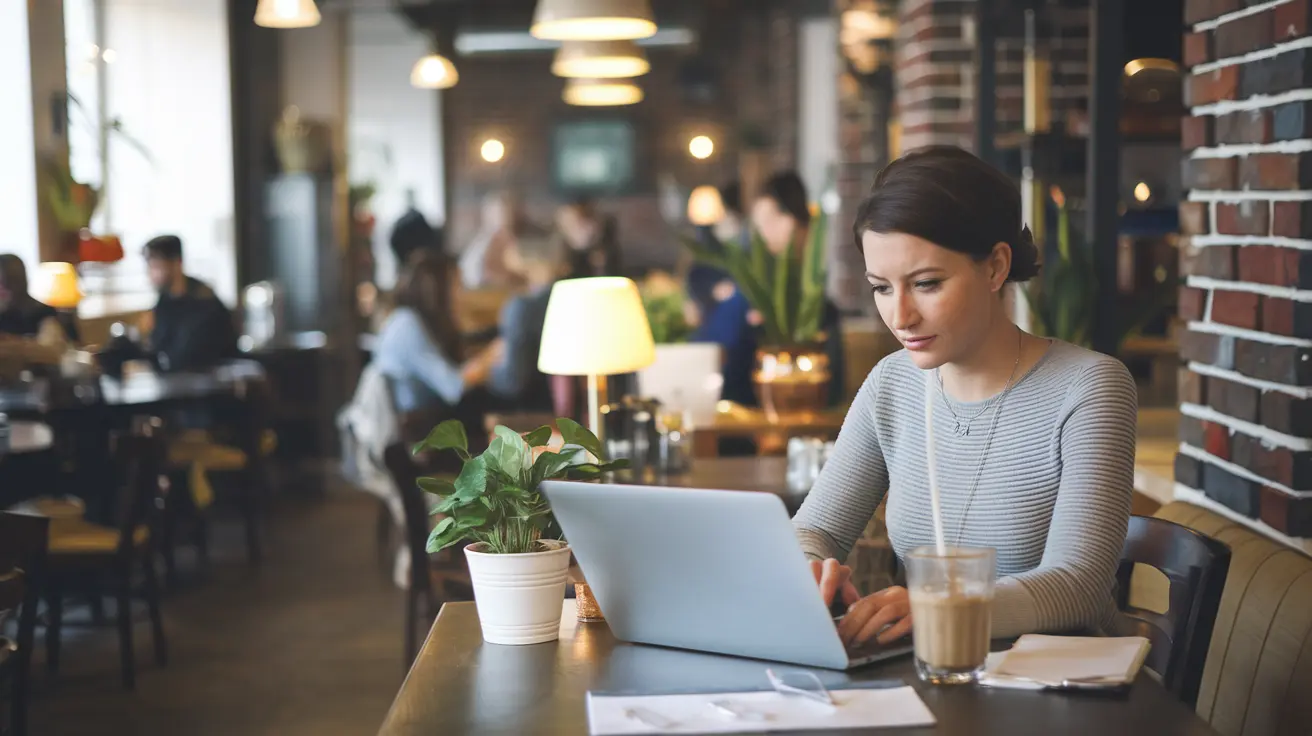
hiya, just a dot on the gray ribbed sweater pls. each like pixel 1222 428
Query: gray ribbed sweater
pixel 1053 499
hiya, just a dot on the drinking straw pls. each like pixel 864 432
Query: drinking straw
pixel 935 509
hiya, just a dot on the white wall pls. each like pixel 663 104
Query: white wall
pixel 394 129
pixel 817 108
pixel 18 209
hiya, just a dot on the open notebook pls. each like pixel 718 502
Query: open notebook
pixel 1038 661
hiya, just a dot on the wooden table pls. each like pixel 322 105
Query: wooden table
pixel 772 436
pixel 459 685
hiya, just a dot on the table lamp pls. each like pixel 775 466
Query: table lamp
pixel 55 284
pixel 595 327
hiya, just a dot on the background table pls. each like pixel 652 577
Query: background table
pixel 459 685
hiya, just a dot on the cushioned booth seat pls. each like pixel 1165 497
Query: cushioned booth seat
pixel 1258 677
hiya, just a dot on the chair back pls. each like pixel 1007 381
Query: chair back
pixel 405 474
pixel 1195 567
pixel 24 540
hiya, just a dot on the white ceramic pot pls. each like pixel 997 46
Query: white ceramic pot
pixel 519 597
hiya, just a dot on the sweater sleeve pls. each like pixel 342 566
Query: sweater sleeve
pixel 1070 588
pixel 510 376
pixel 851 484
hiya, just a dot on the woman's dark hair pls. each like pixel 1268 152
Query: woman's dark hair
pixel 953 199
pixel 425 286
pixel 788 191
pixel 731 195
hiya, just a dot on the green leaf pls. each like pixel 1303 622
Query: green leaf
pixel 438 486
pixel 448 503
pixel 472 481
pixel 449 435
pixel 548 465
pixel 760 259
pixel 508 453
pixel 443 535
pixel 782 269
pixel 538 437
pixel 576 434
pixel 473 515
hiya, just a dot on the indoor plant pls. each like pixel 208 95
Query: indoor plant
pixel 518 562
pixel 787 290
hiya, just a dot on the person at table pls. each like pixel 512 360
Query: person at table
pixel 30 331
pixel 483 262
pixel 594 248
pixel 782 216
pixel 421 350
pixel 1034 437
pixel 190 328
pixel 538 259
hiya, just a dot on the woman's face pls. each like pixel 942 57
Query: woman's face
pixel 774 224
pixel 938 302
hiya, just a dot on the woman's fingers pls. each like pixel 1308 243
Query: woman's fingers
pixel 872 613
pixel 833 576
pixel 897 630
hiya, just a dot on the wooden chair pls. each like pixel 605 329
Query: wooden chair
pixel 80 549
pixel 23 541
pixel 1195 567
pixel 432 580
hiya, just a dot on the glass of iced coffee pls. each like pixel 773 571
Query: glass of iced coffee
pixel 951 598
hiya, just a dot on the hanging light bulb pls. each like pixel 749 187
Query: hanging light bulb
pixel 593 20
pixel 434 71
pixel 600 60
pixel 596 93
pixel 287 14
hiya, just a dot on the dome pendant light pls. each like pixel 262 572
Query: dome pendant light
pixel 600 60
pixel 434 71
pixel 593 20
pixel 601 93
pixel 287 14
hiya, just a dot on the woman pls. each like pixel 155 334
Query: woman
pixel 28 328
pixel 594 248
pixel 781 215
pixel 1034 437
pixel 421 351
pixel 483 262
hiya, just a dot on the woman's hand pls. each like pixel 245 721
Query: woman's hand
pixel 869 616
pixel 835 579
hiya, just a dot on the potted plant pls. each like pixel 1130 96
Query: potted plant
pixel 1063 302
pixel 518 561
pixel 787 290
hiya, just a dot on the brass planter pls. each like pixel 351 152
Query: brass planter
pixel 791 380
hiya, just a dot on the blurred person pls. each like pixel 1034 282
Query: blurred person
pixel 594 248
pixel 539 260
pixel 782 216
pixel 30 331
pixel 411 234
pixel 730 230
pixel 483 263
pixel 421 350
pixel 190 328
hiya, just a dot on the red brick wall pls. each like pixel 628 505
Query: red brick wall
pixel 1246 395
pixel 935 69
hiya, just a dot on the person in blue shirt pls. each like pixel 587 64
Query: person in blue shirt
pixel 538 258
pixel 782 216
pixel 421 351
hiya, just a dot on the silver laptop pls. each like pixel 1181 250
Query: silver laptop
pixel 713 571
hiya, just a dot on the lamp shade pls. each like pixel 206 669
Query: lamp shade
pixel 287 14
pixel 434 72
pixel 595 93
pixel 600 60
pixel 596 327
pixel 55 284
pixel 705 206
pixel 593 20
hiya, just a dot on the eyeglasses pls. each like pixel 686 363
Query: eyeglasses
pixel 802 684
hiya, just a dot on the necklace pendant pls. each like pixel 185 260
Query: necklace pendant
pixel 961 430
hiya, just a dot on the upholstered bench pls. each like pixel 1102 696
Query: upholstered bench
pixel 1258 677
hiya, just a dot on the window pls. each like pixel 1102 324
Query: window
pixel 18 172
pixel 150 116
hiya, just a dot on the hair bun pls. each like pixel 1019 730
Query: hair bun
pixel 1024 257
